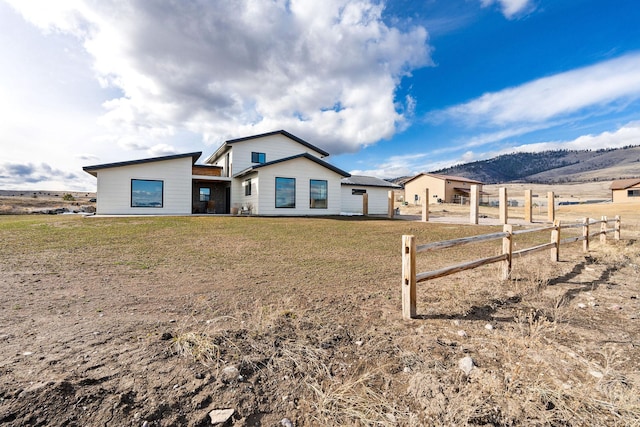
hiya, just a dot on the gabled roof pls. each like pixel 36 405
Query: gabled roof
pixel 93 170
pixel 445 177
pixel 622 184
pixel 301 141
pixel 285 133
pixel 368 181
pixel 297 156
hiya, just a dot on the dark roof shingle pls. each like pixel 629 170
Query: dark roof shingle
pixel 368 181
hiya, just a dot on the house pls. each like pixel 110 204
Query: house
pixel 275 173
pixel 625 191
pixel 376 189
pixel 442 188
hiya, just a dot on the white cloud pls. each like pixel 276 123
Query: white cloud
pixel 604 85
pixel 412 164
pixel 393 167
pixel 162 150
pixel 326 71
pixel 626 135
pixel 511 8
pixel 40 176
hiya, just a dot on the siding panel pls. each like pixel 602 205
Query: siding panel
pixel 114 188
pixel 378 200
pixel 303 170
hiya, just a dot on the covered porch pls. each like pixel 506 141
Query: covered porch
pixel 462 196
pixel 210 192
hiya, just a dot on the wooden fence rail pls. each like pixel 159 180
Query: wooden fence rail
pixel 410 249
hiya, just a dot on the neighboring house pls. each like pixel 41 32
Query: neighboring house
pixel 274 173
pixel 442 188
pixel 625 191
pixel 377 191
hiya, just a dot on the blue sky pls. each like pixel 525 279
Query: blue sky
pixel 389 88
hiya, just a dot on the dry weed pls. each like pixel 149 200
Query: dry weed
pixel 532 324
pixel 532 274
pixel 197 346
pixel 355 400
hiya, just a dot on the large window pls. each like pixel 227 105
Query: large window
pixel 258 157
pixel 633 193
pixel 318 194
pixel 247 187
pixel 205 194
pixel 146 193
pixel 285 192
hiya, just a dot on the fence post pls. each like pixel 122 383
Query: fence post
pixel 616 233
pixel 585 234
pixel 507 248
pixel 425 206
pixel 528 206
pixel 504 217
pixel 390 209
pixel 551 209
pixel 408 277
pixel 603 230
pixel 365 204
pixel 555 239
pixel 474 204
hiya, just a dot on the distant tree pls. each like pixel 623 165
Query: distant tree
pixel 68 197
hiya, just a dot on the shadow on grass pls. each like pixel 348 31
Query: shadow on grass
pixel 486 312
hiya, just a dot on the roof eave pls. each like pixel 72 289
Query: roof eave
pixel 298 156
pixel 217 154
pixel 285 133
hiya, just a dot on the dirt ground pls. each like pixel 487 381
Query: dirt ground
pixel 27 202
pixel 100 328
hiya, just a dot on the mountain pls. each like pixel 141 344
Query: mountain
pixel 552 167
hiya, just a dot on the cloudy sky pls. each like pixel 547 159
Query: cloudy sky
pixel 390 88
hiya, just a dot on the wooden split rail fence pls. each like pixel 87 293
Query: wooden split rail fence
pixel 409 250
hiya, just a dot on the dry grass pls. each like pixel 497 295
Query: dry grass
pixel 308 311
pixel 197 346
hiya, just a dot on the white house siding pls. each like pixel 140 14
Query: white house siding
pixel 275 147
pixel 114 187
pixel 378 198
pixel 239 200
pixel 303 170
pixel 222 162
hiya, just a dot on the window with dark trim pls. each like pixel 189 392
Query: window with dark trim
pixel 633 193
pixel 247 187
pixel 205 194
pixel 258 157
pixel 358 191
pixel 318 194
pixel 147 193
pixel 285 192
